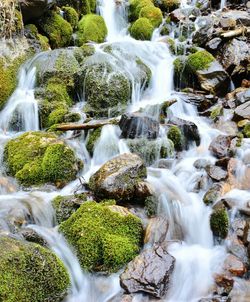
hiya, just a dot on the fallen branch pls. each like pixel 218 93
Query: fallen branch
pixel 93 124
pixel 235 33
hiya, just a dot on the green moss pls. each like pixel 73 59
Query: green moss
pixel 30 272
pixel 58 30
pixel 18 22
pixel 219 222
pixel 151 206
pixel 91 28
pixel 37 157
pixel 65 206
pixel 104 238
pixel 44 42
pixel 71 16
pixel 246 130
pixel 153 14
pixel 216 112
pixel 92 139
pixel 141 29
pixel 175 135
pixel 200 60
pixel 83 6
pixel 57 116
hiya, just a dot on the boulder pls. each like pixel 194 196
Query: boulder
pixel 150 273
pixel 104 236
pixel 136 125
pixel 233 265
pixel 242 111
pixel 30 272
pixel 35 158
pixel 220 146
pixel 216 173
pixel 119 177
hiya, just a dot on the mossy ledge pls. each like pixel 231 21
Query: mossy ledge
pixel 36 157
pixel 105 236
pixel 30 272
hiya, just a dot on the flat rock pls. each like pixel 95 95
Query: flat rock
pixel 150 272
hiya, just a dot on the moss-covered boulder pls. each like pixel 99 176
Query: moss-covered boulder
pixel 30 272
pixel 39 41
pixel 153 14
pixel 91 28
pixel 93 137
pixel 106 86
pixel 57 29
pixel 151 150
pixel 167 5
pixel 176 136
pixel 37 157
pixel 71 16
pixel 104 236
pixel 135 7
pixel 119 177
pixel 246 130
pixel 65 206
pixel 81 6
pixel 142 29
pixel 219 222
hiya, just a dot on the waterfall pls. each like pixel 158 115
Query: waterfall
pixel 21 111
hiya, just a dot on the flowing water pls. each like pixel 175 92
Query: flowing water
pixel 197 257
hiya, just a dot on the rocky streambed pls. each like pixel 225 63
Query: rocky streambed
pixel 124 151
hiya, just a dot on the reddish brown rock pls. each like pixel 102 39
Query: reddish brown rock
pixel 233 265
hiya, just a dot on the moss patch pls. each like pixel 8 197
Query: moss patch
pixel 246 130
pixel 71 16
pixel 92 139
pixel 153 14
pixel 175 135
pixel 219 222
pixel 37 157
pixel 91 28
pixel 199 60
pixel 105 237
pixel 30 272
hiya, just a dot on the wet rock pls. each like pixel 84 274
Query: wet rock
pixel 204 34
pixel 220 146
pixel 32 236
pixel 216 173
pixel 156 231
pixel 201 101
pixel 122 298
pixel 236 247
pixel 242 111
pixel 213 44
pixel 241 17
pixel 34 9
pixel 239 226
pixel 224 283
pixel 7 185
pixel 227 23
pixel 213 194
pixel 150 272
pixel 214 79
pixel 65 206
pixel 201 163
pixel 219 221
pixel 233 265
pixel 189 129
pixel 137 125
pixel 143 190
pixel 118 177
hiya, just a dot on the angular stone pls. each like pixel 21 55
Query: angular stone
pixel 150 272
pixel 216 173
pixel 242 111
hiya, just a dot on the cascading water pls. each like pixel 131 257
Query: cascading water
pixel 197 258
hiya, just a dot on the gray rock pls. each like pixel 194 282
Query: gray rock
pixel 150 272
pixel 242 111
pixel 213 44
pixel 119 177
pixel 216 173
pixel 220 146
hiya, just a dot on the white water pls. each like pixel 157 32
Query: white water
pixel 197 259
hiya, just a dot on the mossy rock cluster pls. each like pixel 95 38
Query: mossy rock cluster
pixel 83 7
pixel 176 136
pixel 167 5
pixel 35 158
pixel 219 222
pixel 56 28
pixel 31 31
pixel 71 16
pixel 105 236
pixel 91 28
pixel 145 17
pixel 186 68
pixel 29 272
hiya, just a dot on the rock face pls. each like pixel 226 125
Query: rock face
pixel 34 9
pixel 137 125
pixel 30 272
pixel 150 272
pixel 118 177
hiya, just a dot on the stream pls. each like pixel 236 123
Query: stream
pixel 198 257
